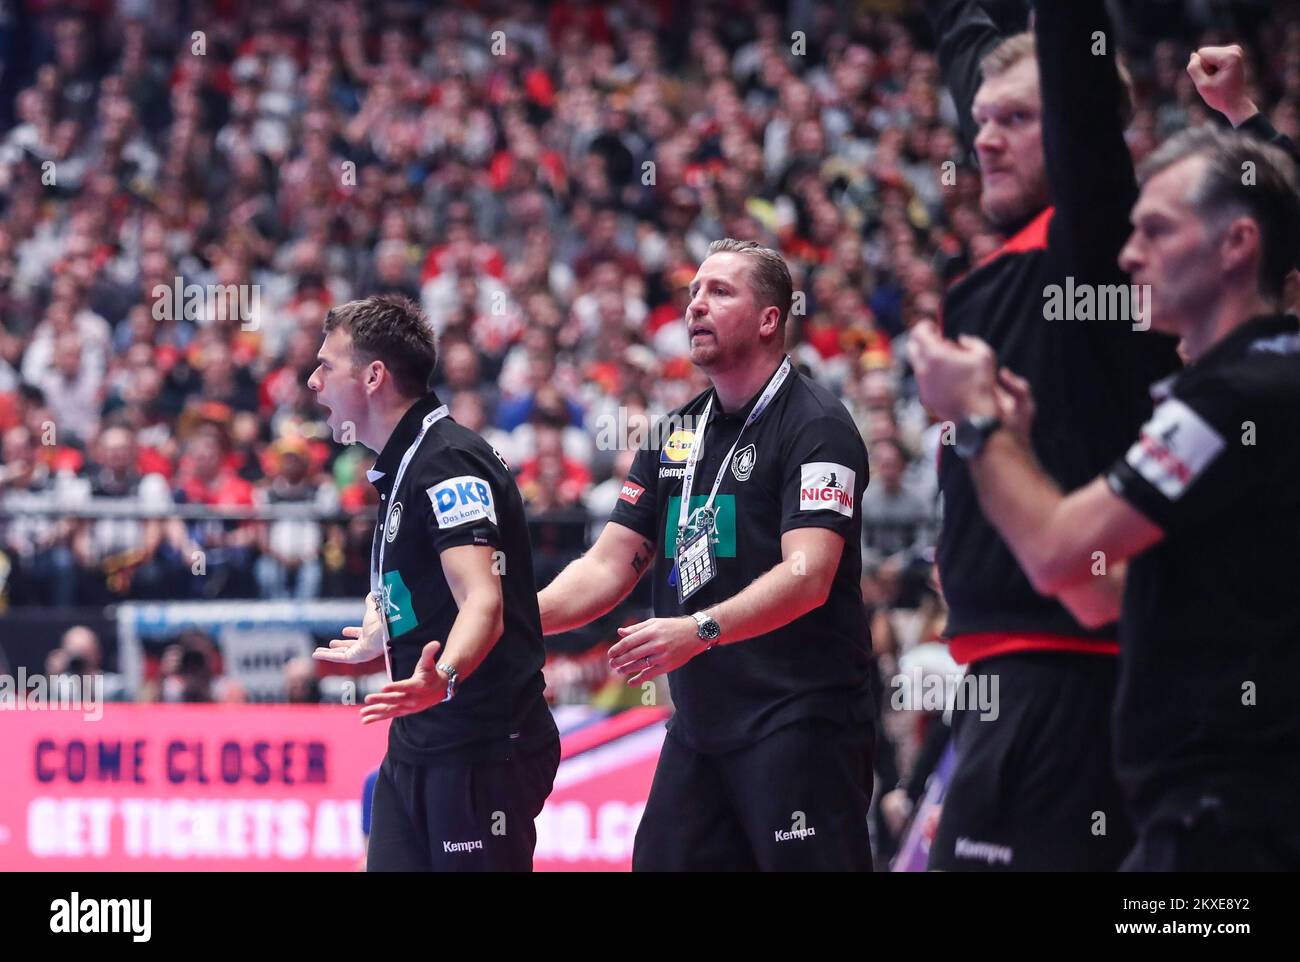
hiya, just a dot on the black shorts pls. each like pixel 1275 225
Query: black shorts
pixel 1034 789
pixel 462 816
pixel 796 800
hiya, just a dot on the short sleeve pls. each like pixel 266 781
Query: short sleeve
pixel 463 500
pixel 636 507
pixel 1190 461
pixel 824 475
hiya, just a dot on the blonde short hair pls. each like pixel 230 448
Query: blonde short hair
pixel 1021 46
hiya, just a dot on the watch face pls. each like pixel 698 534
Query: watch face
pixel 710 629
pixel 964 438
pixel 971 434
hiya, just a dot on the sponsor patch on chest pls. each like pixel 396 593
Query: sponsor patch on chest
pixel 826 486
pixel 461 500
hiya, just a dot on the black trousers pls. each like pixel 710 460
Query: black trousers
pixel 1202 842
pixel 462 816
pixel 794 801
pixel 1034 787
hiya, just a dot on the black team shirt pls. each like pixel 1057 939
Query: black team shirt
pixel 1089 377
pixel 458 491
pixel 802 464
pixel 1208 702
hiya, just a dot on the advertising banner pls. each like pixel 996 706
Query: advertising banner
pixel 268 787
pixel 185 787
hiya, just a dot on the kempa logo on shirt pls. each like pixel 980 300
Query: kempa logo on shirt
pixel 671 472
pixel 462 846
pixel 797 834
pixel 982 851
pixel 131 916
pixel 742 465
pixel 394 521
pixel 460 500
pixel 826 486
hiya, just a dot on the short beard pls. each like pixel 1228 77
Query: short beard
pixel 1012 213
pixel 1016 211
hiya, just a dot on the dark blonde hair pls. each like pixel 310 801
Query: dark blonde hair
pixel 392 329
pixel 769 275
pixel 1021 46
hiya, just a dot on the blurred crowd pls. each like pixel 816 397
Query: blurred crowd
pixel 543 178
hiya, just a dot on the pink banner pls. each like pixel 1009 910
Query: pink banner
pixel 590 820
pixel 185 787
pixel 267 787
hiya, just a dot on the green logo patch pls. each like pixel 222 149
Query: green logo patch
pixel 724 526
pixel 397 607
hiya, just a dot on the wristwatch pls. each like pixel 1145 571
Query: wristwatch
pixel 708 630
pixel 972 434
pixel 453 676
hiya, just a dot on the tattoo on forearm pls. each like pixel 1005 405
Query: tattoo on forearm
pixel 639 561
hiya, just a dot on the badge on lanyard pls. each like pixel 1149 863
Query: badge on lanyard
pixel 696 562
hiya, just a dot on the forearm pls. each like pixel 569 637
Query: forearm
pixel 1249 119
pixel 1097 601
pixel 1089 168
pixel 478 626
pixel 772 600
pixel 1022 502
pixel 587 588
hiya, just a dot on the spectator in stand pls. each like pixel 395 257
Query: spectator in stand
pixel 460 370
pixel 190 672
pixel 79 654
pixel 301 683
pixel 119 556
pixel 894 518
pixel 550 479
pixel 538 374
pixel 289 564
pixel 38 541
pixel 214 558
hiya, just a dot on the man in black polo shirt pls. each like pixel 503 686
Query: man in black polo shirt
pixel 759 619
pixel 472 749
pixel 1203 507
pixel 1045 112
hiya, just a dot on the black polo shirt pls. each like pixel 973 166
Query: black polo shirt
pixel 802 464
pixel 1209 691
pixel 457 491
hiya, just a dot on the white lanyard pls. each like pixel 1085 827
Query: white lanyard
pixel 697 444
pixel 377 568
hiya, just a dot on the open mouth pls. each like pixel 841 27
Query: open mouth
pixel 699 330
